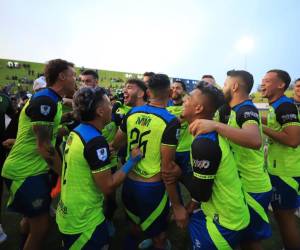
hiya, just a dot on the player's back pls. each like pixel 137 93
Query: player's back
pixel 148 127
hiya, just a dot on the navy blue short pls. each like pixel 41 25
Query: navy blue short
pixel 29 197
pixel 146 205
pixel 285 192
pixel 259 227
pixel 93 239
pixel 207 235
pixel 183 160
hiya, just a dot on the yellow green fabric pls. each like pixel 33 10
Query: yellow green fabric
pixel 81 205
pixel 227 204
pixel 24 160
pixel 250 163
pixel 282 160
pixel 185 138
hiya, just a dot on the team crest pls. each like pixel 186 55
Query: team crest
pixel 102 154
pixel 45 109
pixel 37 203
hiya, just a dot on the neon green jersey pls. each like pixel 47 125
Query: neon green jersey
pixel 44 108
pixel 250 162
pixel 185 138
pixel 118 112
pixel 283 160
pixel 215 173
pixel 148 127
pixel 81 204
pixel 109 133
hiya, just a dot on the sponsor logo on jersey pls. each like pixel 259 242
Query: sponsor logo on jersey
pixel 251 114
pixel 45 109
pixel 203 164
pixel 102 154
pixel 143 121
pixel 289 117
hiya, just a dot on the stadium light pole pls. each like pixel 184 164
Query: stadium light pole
pixel 245 45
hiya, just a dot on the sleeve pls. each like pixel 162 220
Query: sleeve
pixel 171 133
pixel 123 125
pixel 97 154
pixel 206 157
pixel 287 114
pixel 115 117
pixel 41 109
pixel 224 113
pixel 247 114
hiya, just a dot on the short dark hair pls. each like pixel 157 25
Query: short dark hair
pixel 53 68
pixel 159 82
pixel 208 76
pixel 215 96
pixel 140 84
pixel 283 76
pixel 86 101
pixel 182 84
pixel 149 74
pixel 245 76
pixel 90 72
pixel 297 80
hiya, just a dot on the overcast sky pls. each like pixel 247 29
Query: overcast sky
pixel 181 38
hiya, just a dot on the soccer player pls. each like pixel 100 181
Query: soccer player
pixel 244 132
pixel 89 78
pixel 86 176
pixel 134 95
pixel 209 79
pixel 215 182
pixel 185 139
pixel 296 97
pixel 147 76
pixel 283 129
pixel 26 168
pixel 155 131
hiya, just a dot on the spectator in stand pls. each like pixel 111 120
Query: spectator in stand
pixel 6 112
pixel 39 83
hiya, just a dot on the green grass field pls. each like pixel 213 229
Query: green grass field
pixel 106 78
pixel 179 238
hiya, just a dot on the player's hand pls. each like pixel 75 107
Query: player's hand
pixel 112 149
pixel 172 174
pixel 202 126
pixel 136 154
pixel 8 143
pixel 181 216
pixel 192 206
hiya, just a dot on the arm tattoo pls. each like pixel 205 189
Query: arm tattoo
pixel 43 133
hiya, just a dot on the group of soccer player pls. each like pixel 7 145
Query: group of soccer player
pixel 159 139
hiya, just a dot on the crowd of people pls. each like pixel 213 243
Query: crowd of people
pixel 82 143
